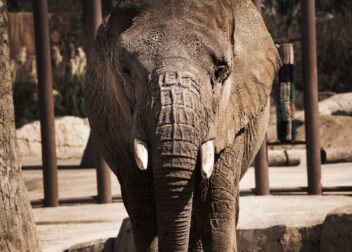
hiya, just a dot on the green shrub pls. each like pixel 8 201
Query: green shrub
pixel 68 98
pixel 26 102
pixel 334 40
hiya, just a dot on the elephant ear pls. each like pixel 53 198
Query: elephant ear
pixel 255 63
pixel 106 101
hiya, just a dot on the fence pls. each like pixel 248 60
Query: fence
pixel 51 197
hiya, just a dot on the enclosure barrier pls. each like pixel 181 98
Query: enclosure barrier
pixel 47 118
pixel 261 163
pixel 51 197
pixel 309 44
pixel 310 105
pixel 94 11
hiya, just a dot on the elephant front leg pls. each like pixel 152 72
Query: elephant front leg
pixel 219 216
pixel 141 209
pixel 217 202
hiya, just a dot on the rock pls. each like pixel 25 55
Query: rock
pixel 283 158
pixel 336 235
pixel 275 239
pixel 281 224
pixel 279 238
pixel 91 246
pixel 124 241
pixel 334 132
pixel 71 137
pixel 335 155
pixel 340 104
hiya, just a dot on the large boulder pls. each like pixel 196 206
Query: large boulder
pixel 275 239
pixel 71 137
pixel 124 241
pixel 340 104
pixel 336 235
pixel 279 238
pixel 273 223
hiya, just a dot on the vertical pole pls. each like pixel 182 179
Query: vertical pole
pixel 47 124
pixel 103 181
pixel 258 4
pixel 94 13
pixel 261 165
pixel 311 97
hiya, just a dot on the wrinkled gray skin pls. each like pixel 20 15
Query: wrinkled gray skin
pixel 176 74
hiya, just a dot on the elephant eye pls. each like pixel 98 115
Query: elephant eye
pixel 126 71
pixel 221 72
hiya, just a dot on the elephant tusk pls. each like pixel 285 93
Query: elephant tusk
pixel 141 154
pixel 207 158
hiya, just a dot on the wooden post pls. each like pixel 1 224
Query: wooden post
pixel 47 118
pixel 311 97
pixel 258 4
pixel 94 13
pixel 261 165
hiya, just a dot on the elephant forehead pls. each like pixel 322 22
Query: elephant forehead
pixel 179 29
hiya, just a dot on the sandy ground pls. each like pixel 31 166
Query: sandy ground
pixel 62 227
pixel 82 182
pixel 335 131
pixel 65 226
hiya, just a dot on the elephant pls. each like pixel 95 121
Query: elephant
pixel 177 97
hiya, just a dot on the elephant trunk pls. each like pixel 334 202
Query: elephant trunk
pixel 177 139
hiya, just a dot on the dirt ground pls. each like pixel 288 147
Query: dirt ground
pixel 335 131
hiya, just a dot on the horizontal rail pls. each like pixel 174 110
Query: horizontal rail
pixel 76 200
pixel 243 192
pixel 287 143
pixel 61 167
pixel 338 189
pixel 287 40
pixel 303 189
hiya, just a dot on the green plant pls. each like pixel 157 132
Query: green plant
pixel 68 94
pixel 70 97
pixel 334 42
pixel 26 102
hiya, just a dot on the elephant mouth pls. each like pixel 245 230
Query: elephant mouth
pixel 207 156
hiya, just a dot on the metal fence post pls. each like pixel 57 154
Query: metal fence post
pixel 94 13
pixel 45 85
pixel 261 165
pixel 311 97
pixel 258 4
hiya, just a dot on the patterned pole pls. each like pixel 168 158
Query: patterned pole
pixel 286 125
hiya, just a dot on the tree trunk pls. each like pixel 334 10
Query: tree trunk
pixel 17 228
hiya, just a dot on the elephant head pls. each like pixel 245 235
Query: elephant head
pixel 172 83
